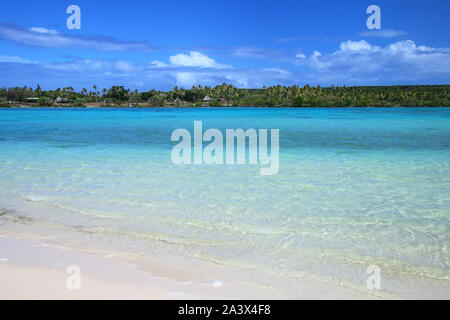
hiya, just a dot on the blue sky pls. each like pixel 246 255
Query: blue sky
pixel 160 44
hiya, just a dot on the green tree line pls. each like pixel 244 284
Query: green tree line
pixel 226 95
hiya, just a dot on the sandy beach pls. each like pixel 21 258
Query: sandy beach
pixel 34 270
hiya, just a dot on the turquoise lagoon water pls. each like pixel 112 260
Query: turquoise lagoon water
pixel 355 187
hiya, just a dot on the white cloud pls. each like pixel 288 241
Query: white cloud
pixel 355 45
pixel 159 64
pixel 239 78
pixel 42 30
pixel 195 59
pixel 353 63
pixel 400 61
pixel 42 37
pixel 192 60
pixel 148 76
pixel 384 33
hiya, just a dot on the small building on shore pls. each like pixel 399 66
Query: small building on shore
pixel 60 100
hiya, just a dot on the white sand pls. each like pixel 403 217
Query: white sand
pixel 31 270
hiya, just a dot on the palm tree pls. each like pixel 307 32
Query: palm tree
pixel 38 90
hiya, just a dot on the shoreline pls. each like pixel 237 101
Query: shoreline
pixel 35 270
pixel 227 95
pixel 42 250
pixel 32 269
pixel 210 107
pixel 33 256
pixel 29 254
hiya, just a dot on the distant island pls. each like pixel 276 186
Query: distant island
pixel 226 95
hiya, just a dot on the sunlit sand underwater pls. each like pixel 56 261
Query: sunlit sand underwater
pixel 356 187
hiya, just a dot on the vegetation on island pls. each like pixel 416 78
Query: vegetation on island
pixel 227 95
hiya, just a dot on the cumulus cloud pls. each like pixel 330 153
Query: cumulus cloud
pixel 80 73
pixel 355 46
pixel 239 77
pixel 360 61
pixel 353 63
pixel 193 59
pixel 384 33
pixel 47 38
pixel 186 70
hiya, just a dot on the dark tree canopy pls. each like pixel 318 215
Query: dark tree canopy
pixel 228 95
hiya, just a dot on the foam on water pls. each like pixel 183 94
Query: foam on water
pixel 355 186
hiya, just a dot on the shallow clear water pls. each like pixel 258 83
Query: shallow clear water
pixel 359 185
